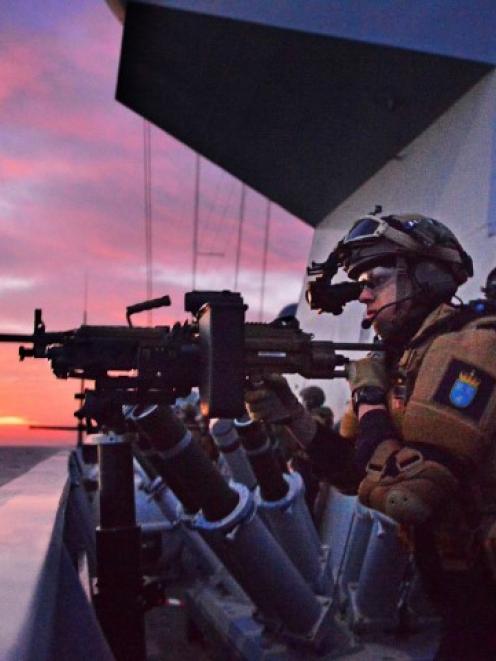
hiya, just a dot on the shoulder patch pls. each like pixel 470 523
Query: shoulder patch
pixel 465 388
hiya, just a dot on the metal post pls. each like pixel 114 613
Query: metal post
pixel 118 547
pixel 196 218
pixel 375 600
pixel 240 235
pixel 280 500
pixel 227 440
pixel 354 548
pixel 264 261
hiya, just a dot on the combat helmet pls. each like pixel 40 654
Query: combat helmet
pixel 490 288
pixel 375 239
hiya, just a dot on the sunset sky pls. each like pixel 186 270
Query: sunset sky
pixel 72 205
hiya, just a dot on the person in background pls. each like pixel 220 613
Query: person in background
pixel 313 399
pixel 490 288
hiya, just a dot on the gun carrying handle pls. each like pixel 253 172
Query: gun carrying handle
pixel 152 304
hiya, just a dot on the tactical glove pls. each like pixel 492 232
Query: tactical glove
pixel 368 381
pixel 274 402
pixel 369 371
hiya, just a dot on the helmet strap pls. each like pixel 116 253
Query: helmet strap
pixel 403 281
pixel 406 320
pixel 404 285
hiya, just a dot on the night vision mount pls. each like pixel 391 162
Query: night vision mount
pixel 322 295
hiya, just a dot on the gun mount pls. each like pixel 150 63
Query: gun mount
pixel 217 352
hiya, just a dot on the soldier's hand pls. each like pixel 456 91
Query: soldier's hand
pixel 369 371
pixel 273 401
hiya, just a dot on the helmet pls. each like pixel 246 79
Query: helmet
pixel 287 317
pixel 490 289
pixel 312 396
pixel 416 238
pixel 288 310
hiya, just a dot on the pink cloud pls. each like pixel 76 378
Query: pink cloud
pixel 72 202
pixel 18 70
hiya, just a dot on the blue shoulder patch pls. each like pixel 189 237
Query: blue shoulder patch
pixel 466 388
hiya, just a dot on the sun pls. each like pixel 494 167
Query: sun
pixel 13 420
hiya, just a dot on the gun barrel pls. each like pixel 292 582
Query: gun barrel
pixel 16 337
pixel 41 338
pixel 357 346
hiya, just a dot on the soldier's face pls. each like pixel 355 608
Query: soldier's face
pixel 380 291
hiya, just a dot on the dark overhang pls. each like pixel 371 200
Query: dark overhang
pixel 305 119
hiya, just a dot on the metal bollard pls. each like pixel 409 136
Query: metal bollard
pixel 118 547
pixel 375 600
pixel 173 511
pixel 227 440
pixel 355 549
pixel 289 520
pixel 280 589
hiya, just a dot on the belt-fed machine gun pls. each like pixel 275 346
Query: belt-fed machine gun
pixel 216 352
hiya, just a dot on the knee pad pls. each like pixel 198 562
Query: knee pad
pixel 409 488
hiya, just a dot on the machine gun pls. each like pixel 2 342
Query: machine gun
pixel 217 351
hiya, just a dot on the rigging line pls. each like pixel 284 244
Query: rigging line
pixel 196 218
pixel 207 216
pixel 85 298
pixel 240 234
pixel 148 214
pixel 149 274
pixel 210 221
pixel 230 236
pixel 82 384
pixel 264 259
pixel 221 218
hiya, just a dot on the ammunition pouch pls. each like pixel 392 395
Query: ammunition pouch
pixel 404 485
pixel 373 488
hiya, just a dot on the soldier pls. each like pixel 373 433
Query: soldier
pixel 316 491
pixel 490 288
pixel 313 399
pixel 418 442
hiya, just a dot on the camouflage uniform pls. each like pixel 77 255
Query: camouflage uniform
pixel 434 469
pixel 443 405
